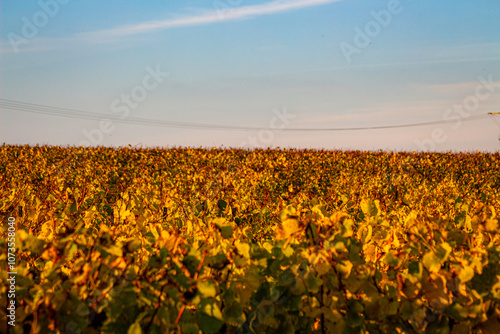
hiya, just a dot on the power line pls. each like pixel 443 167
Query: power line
pixel 73 113
pixel 492 115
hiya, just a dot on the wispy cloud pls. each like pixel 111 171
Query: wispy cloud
pixel 39 44
pixel 456 88
pixel 195 18
pixel 214 16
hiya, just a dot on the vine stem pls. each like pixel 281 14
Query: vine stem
pixel 181 311
pixel 323 329
pixel 148 327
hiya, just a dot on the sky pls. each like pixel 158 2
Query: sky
pixel 240 73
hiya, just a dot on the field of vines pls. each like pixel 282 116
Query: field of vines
pixel 184 240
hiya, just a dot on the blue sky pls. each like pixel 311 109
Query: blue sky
pixel 269 65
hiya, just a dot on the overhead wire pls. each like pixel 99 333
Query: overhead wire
pixel 73 113
pixel 492 115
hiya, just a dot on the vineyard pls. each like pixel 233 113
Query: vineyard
pixel 185 240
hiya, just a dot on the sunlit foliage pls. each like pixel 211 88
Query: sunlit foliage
pixel 264 241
